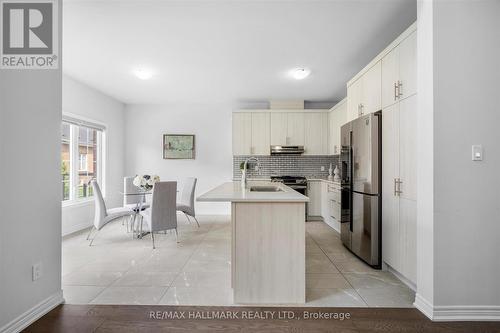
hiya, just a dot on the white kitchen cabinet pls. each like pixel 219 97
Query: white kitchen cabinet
pixel 354 96
pixel 316 133
pixel 364 94
pixel 279 128
pixel 399 75
pixel 242 133
pixel 399 179
pixel 390 171
pixel 314 194
pixel 336 118
pixel 287 128
pixel 408 66
pixel 295 129
pixel 371 98
pixel 261 132
pixel 408 147
pixel 390 77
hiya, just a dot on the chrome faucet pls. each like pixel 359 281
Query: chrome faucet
pixel 244 173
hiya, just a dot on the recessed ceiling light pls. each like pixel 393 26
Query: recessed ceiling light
pixel 300 73
pixel 143 74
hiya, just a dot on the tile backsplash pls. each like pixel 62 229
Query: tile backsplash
pixel 286 165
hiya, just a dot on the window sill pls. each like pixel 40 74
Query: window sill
pixel 76 203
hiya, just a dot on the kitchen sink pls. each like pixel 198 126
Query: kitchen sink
pixel 265 189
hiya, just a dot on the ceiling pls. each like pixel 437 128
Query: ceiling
pixel 226 50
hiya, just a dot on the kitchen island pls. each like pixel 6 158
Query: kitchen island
pixel 267 243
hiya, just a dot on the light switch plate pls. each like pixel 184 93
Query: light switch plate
pixel 36 271
pixel 477 152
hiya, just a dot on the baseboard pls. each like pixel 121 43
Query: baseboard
pixel 457 312
pixel 77 228
pixel 424 306
pixel 402 278
pixel 33 314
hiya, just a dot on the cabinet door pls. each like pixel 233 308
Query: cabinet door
pixel 316 133
pixel 295 129
pixel 314 194
pixel 354 92
pixel 341 120
pixel 390 77
pixel 325 206
pixel 390 171
pixel 372 90
pixel 331 132
pixel 408 147
pixel 408 66
pixel 261 132
pixel 408 238
pixel 242 133
pixel 278 128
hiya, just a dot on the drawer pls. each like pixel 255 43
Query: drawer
pixel 335 210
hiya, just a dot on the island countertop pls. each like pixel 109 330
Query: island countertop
pixel 232 192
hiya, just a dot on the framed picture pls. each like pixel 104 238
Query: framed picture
pixel 178 146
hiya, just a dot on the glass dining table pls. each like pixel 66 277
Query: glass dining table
pixel 139 207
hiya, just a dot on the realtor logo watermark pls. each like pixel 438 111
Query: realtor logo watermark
pixel 29 34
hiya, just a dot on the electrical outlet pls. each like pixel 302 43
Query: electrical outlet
pixel 36 271
pixel 322 168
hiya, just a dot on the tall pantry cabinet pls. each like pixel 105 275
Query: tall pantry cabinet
pixel 399 149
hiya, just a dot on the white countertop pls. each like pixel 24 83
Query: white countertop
pixel 323 180
pixel 232 192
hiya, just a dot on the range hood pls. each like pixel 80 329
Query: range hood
pixel 287 150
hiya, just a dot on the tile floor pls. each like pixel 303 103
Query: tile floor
pixel 120 270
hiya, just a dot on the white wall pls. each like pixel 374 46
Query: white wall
pixel 467 112
pixel 84 101
pixel 30 199
pixel 145 126
pixel 425 152
pixel 466 205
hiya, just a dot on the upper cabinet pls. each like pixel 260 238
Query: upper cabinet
pixel 287 128
pixel 261 134
pixel 336 118
pixel 279 128
pixel 399 76
pixel 254 131
pixel 251 133
pixel 364 94
pixel 295 132
pixel 316 133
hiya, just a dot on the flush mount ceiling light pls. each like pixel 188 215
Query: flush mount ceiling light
pixel 143 74
pixel 300 73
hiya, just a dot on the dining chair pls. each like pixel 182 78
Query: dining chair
pixel 162 216
pixel 186 202
pixel 103 216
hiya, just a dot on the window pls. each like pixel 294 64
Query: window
pixel 81 152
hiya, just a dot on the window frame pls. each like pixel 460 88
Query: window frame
pixel 75 157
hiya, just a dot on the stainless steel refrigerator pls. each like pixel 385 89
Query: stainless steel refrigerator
pixel 361 173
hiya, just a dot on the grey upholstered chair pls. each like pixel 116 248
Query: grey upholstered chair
pixel 186 202
pixel 162 215
pixel 102 215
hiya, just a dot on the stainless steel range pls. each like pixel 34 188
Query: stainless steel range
pixel 298 183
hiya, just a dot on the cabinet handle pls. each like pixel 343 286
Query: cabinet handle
pixel 399 186
pixel 396 92
pixel 400 85
pixel 395 187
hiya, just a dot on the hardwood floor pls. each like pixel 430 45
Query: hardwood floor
pixel 136 318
